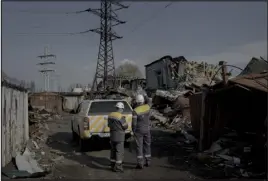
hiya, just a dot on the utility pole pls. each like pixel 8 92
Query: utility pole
pixel 105 70
pixel 224 72
pixel 45 70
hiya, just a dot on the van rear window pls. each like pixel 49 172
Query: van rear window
pixel 106 107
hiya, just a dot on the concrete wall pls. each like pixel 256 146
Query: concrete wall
pixel 71 102
pixel 15 125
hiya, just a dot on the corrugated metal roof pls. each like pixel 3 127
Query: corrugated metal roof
pixel 255 81
pixel 176 59
pixel 255 66
pixel 159 60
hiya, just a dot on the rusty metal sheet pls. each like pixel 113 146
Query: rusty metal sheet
pixel 254 81
pixel 48 100
pixel 195 101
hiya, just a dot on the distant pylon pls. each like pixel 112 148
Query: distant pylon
pixel 45 70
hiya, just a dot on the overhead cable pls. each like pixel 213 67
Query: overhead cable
pixel 152 17
pixel 94 11
pixel 37 12
pixel 55 34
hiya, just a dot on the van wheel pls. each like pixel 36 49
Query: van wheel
pixel 82 143
pixel 74 135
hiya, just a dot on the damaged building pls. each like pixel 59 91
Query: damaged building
pixel 256 66
pixel 227 118
pixel 231 120
pixel 176 73
pixel 161 73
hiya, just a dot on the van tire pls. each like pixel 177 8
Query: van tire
pixel 82 143
pixel 74 135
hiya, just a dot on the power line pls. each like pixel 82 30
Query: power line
pixel 153 15
pixel 38 12
pixel 60 12
pixel 94 11
pixel 55 34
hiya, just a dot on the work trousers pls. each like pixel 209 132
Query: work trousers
pixel 143 149
pixel 117 152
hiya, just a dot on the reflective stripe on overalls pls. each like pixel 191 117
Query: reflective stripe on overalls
pixel 141 124
pixel 117 125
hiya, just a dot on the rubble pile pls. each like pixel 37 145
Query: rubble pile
pixel 233 155
pixel 236 155
pixel 38 121
pixel 36 160
pixel 171 110
pixel 196 75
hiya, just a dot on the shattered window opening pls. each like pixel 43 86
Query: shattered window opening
pixel 159 78
pixel 106 106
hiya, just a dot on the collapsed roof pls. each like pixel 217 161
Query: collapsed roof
pixel 255 66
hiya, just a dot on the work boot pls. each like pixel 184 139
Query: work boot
pixel 148 164
pixel 139 166
pixel 118 168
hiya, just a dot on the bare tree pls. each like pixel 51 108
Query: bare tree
pixel 128 69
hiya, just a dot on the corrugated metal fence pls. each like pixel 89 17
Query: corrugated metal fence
pixel 196 110
pixel 15 125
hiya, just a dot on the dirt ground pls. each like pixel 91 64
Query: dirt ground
pixel 73 164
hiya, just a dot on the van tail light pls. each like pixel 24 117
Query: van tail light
pixel 86 123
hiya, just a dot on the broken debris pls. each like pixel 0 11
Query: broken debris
pixel 171 110
pixel 27 167
pixel 25 162
pixel 38 119
pixel 233 154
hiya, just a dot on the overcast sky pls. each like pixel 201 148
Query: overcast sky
pixel 210 31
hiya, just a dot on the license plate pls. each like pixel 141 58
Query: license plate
pixel 105 135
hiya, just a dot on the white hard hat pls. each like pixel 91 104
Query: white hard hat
pixel 139 98
pixel 120 105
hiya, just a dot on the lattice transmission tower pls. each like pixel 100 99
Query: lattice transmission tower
pixel 105 70
pixel 46 70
